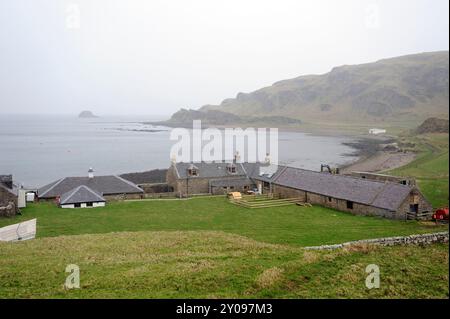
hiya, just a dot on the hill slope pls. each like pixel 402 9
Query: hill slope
pixel 410 88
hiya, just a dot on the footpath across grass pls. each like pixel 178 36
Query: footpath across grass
pixel 293 225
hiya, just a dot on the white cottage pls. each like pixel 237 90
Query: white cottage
pixel 81 197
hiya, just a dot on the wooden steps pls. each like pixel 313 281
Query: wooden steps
pixel 251 201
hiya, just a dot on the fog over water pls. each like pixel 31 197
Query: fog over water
pixel 40 149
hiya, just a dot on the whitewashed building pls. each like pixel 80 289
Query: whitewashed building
pixel 81 197
pixel 377 131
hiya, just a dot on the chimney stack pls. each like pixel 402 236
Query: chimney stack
pixel 237 157
pixel 91 172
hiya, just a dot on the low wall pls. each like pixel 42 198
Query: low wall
pixel 423 239
pixel 161 195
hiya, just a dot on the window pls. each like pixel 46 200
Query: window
pixel 414 208
pixel 89 204
pixel 192 172
pixel 77 205
pixel 330 199
pixel 349 204
pixel 231 169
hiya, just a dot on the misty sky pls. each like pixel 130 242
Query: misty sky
pixel 154 57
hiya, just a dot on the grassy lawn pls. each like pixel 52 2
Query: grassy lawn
pixel 430 168
pixel 301 226
pixel 207 264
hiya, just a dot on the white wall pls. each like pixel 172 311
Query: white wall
pixel 101 204
pixel 21 202
pixel 84 205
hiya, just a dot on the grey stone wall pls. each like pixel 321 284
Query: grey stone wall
pixel 119 197
pixel 422 239
pixel 287 192
pixel 8 203
pixel 358 209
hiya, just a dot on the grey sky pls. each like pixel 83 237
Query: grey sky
pixel 153 57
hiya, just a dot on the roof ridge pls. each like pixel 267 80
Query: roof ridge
pixel 128 182
pixel 92 191
pixel 73 192
pixel 279 174
pixel 54 185
pixel 76 189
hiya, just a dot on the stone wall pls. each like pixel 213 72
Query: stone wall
pixel 287 192
pixel 335 203
pixel 193 185
pixel 118 197
pixel 385 178
pixel 156 188
pixel 218 190
pixel 171 178
pixel 358 209
pixel 8 203
pixel 160 195
pixel 422 239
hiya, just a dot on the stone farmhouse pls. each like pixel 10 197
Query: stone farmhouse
pixel 363 196
pixel 89 191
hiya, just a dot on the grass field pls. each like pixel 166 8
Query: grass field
pixel 430 168
pixel 302 226
pixel 209 248
pixel 202 264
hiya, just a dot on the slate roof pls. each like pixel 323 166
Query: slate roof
pixel 6 183
pixel 209 170
pixel 262 171
pixel 81 194
pixel 4 179
pixel 147 177
pixel 369 192
pixel 13 190
pixel 105 185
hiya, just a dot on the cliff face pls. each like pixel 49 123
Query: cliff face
pixel 407 87
pixel 433 125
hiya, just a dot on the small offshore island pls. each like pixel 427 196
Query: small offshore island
pixel 87 115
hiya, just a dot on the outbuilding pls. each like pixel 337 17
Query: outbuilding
pixel 81 197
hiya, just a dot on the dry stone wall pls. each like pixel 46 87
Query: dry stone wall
pixel 422 239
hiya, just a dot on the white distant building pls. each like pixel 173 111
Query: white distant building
pixel 377 131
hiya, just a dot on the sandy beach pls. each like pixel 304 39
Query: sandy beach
pixel 380 161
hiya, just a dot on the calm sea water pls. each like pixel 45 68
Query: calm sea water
pixel 40 149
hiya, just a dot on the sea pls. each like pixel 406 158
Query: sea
pixel 38 149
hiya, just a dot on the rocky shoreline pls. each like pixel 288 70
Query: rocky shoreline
pixel 376 155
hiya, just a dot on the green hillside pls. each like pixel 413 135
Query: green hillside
pixel 406 89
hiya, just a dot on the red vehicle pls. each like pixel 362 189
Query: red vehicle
pixel 441 214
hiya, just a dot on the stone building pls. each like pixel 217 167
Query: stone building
pixel 385 178
pixel 386 197
pixel 110 187
pixel 8 196
pixel 352 194
pixel 208 178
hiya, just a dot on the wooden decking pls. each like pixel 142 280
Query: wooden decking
pixel 265 201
